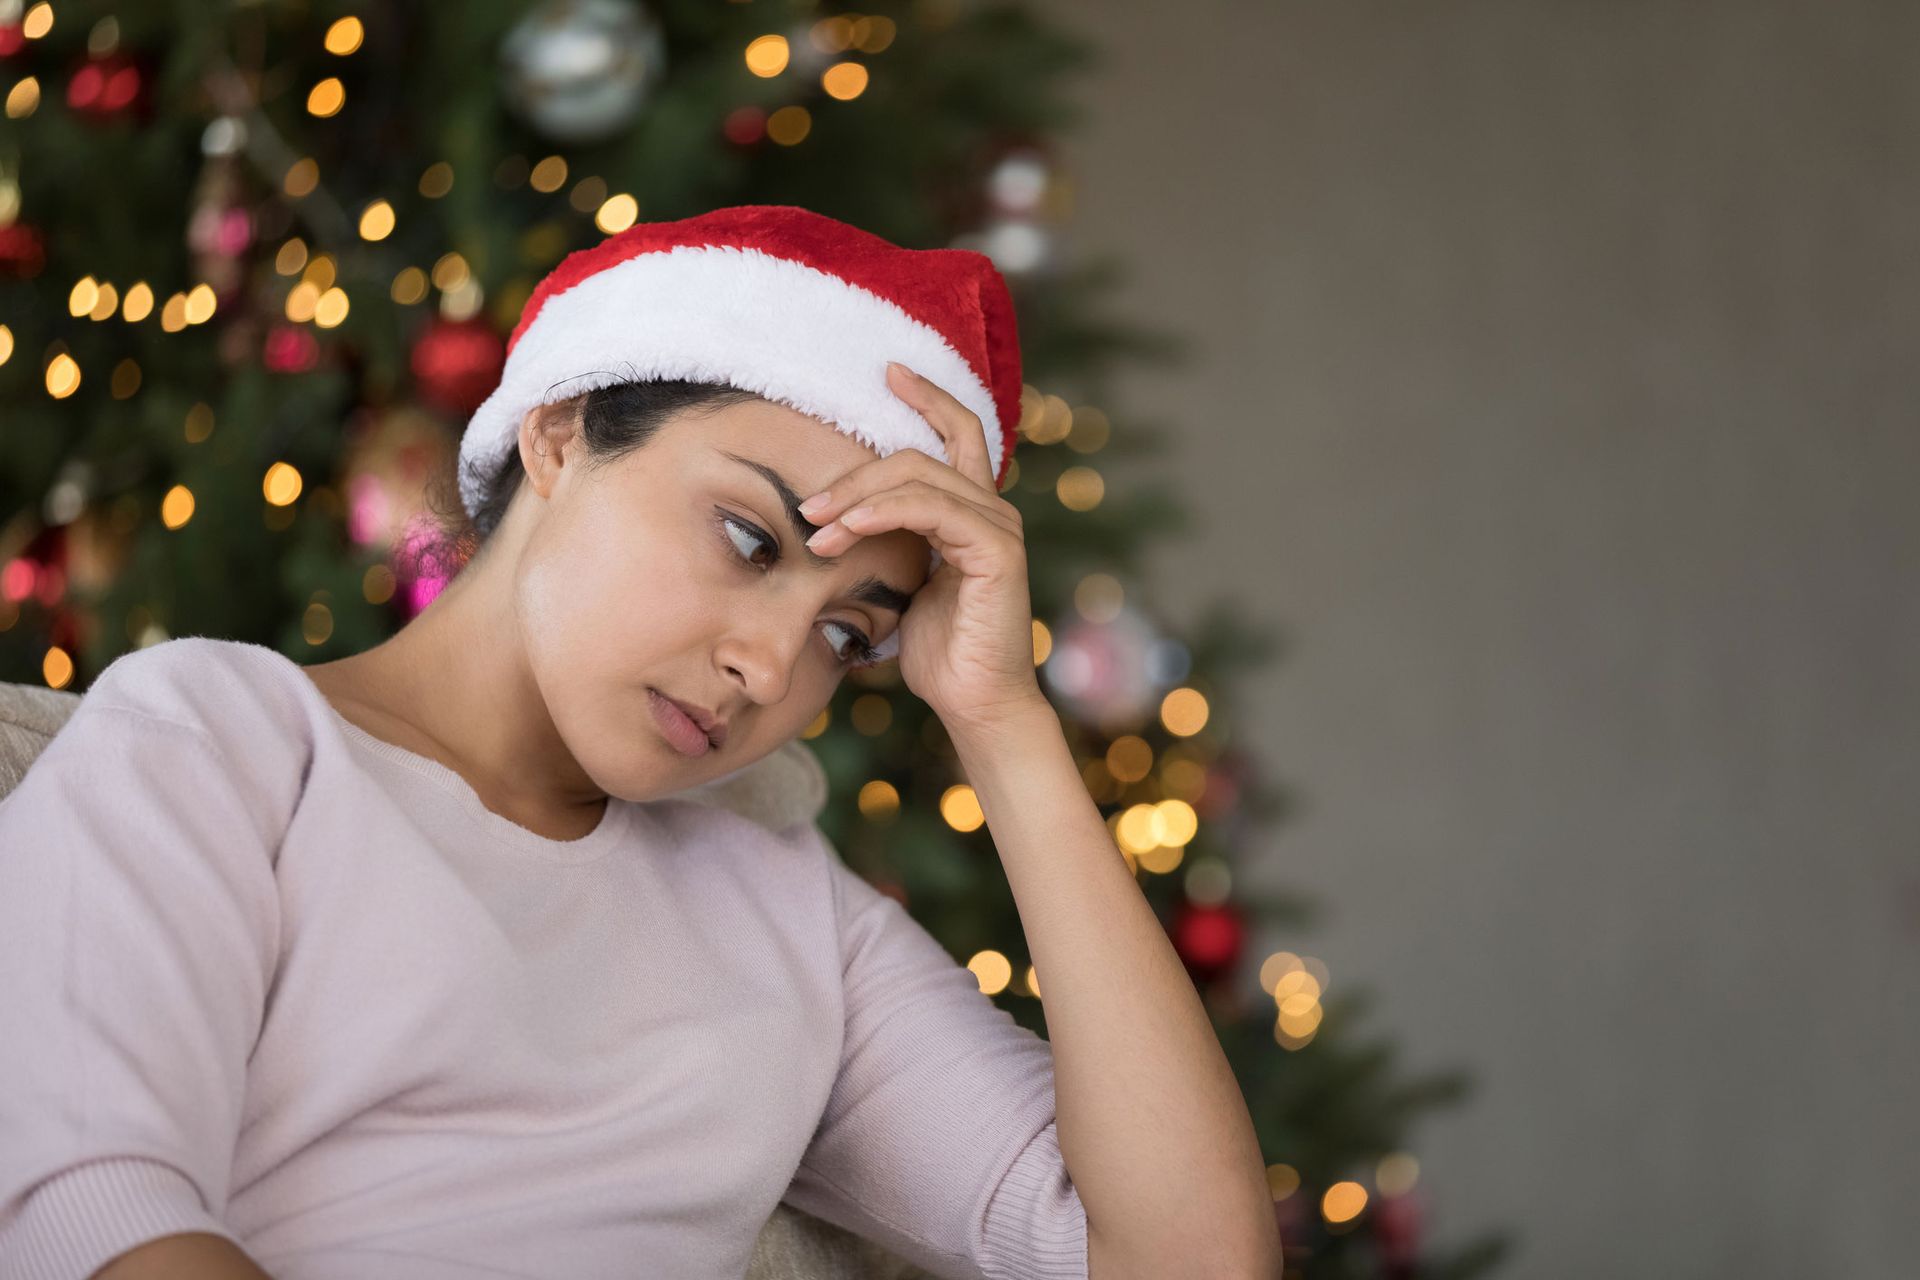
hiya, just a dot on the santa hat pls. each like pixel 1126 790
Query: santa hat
pixel 790 304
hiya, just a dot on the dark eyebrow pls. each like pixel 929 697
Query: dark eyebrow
pixel 869 590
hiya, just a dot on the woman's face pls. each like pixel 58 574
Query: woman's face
pixel 678 568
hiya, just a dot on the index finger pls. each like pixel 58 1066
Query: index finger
pixel 965 435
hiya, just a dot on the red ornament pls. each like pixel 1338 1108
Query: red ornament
pixel 1396 1231
pixel 105 87
pixel 457 364
pixel 1208 938
pixel 22 251
pixel 290 349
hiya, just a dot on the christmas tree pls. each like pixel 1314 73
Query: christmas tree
pixel 257 263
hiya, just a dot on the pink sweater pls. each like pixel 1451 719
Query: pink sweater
pixel 266 975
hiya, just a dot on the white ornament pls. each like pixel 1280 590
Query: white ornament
pixel 580 71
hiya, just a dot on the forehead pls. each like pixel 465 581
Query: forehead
pixel 810 453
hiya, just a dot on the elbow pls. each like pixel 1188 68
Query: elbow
pixel 1215 1257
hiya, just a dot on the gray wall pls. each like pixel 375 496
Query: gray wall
pixel 1557 391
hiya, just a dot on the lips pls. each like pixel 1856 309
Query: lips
pixel 716 730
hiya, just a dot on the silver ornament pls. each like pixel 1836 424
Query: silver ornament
pixel 579 71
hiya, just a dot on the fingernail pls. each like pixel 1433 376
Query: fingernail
pixel 815 505
pixel 819 536
pixel 895 364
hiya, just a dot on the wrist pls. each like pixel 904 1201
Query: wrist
pixel 1025 723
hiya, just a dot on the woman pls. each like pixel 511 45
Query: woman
pixel 412 963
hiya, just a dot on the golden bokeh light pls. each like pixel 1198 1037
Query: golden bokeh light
pixel 326 98
pixel 549 175
pixel 138 304
pixel 991 970
pixel 80 298
pixel 870 714
pixel 436 180
pixel 818 725
pixel 1282 1180
pixel 960 807
pixel 177 507
pixel 1090 431
pixel 23 99
pixel 767 56
pixel 409 286
pixel 331 309
pixel 1184 712
pixel 302 177
pixel 320 271
pixel 173 316
pixel 6 344
pixel 107 303
pixel 56 668
pixel 617 214
pixel 38 22
pixel 199 423
pixel 1343 1202
pixel 200 304
pixel 588 194
pixel 1080 488
pixel 376 221
pixel 1042 642
pixel 63 376
pixel 316 624
pixel 378 584
pixel 450 272
pixel 291 257
pixel 124 382
pixel 1396 1173
pixel 344 36
pixel 789 126
pixel 872 34
pixel 844 81
pixel 879 801
pixel 1129 758
pixel 282 483
pixel 301 301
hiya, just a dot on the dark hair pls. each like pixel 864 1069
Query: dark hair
pixel 614 421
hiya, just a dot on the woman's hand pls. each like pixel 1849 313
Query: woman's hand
pixel 966 644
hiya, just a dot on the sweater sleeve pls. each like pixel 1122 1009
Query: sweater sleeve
pixel 938 1138
pixel 138 928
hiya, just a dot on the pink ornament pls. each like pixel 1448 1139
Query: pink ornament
pixel 290 349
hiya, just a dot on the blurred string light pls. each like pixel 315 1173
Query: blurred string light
pixel 436 180
pixel 326 98
pixel 1296 984
pixel 376 221
pixel 6 344
pixel 617 214
pixel 38 21
pixel 991 970
pixel 767 56
pixel 24 98
pixel 63 376
pixel 344 36
pixel 138 304
pixel 176 508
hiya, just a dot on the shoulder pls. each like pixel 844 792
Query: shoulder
pixel 246 698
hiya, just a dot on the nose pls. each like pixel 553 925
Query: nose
pixel 762 652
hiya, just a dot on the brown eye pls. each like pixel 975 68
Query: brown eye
pixel 755 541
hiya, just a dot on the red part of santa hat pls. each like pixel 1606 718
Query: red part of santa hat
pixel 790 304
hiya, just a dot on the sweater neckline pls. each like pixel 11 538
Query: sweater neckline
pixel 614 821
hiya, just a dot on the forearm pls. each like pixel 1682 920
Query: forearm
pixel 195 1255
pixel 1151 1122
